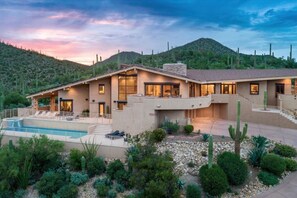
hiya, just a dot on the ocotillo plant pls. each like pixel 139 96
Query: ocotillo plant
pixel 210 151
pixel 237 135
pixel 265 100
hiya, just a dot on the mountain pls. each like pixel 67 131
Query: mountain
pixel 203 53
pixel 27 71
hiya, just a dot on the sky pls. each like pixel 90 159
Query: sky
pixel 77 30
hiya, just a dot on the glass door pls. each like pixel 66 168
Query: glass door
pixel 101 109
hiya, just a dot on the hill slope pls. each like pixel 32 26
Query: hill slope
pixel 203 53
pixel 26 71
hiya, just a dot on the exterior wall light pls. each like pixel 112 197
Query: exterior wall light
pixel 158 106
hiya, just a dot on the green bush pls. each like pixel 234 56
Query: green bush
pixel 255 155
pixel 291 165
pixel 205 137
pixel 274 164
pixel 102 190
pixel 78 178
pixel 15 100
pixel 213 180
pixel 122 177
pixel 170 127
pixel 285 150
pixel 193 191
pixel 68 191
pixel 20 193
pixel 260 142
pixel 113 167
pixel 188 129
pixel 75 159
pixel 105 180
pixel 157 135
pixel 268 179
pixel 96 167
pixel 45 153
pixel 120 188
pixel 235 168
pixel 112 193
pixel 50 183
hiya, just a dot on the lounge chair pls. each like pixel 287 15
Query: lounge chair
pixel 116 135
pixel 112 133
pixel 42 114
pixel 36 113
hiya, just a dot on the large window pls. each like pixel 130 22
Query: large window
pixel 254 88
pixel 162 89
pixel 127 85
pixel 228 88
pixel 101 89
pixel 66 105
pixel 207 89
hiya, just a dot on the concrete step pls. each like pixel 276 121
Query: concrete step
pixel 102 129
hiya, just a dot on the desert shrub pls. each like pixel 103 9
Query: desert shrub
pixel 268 179
pixel 78 178
pixel 235 168
pixel 170 127
pixel 75 159
pixel 113 167
pixel 260 142
pixel 285 150
pixel 67 191
pixel 96 167
pixel 191 164
pixel 152 181
pixel 90 149
pixel 255 155
pixel 50 183
pixel 158 135
pixel 213 180
pixel 5 194
pixel 205 137
pixel 120 188
pixel 122 177
pixel 102 190
pixel 193 191
pixel 188 129
pixel 9 169
pixel 45 153
pixel 105 180
pixel 274 164
pixel 291 165
pixel 20 193
pixel 112 193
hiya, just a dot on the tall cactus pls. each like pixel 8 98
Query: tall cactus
pixel 237 135
pixel 265 100
pixel 210 151
pixel 83 164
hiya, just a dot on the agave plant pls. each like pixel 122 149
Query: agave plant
pixel 260 142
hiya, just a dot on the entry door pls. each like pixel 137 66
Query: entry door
pixel 101 109
pixel 279 89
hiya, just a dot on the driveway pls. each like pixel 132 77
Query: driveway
pixel 220 127
pixel 287 189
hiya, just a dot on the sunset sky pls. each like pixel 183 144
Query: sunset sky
pixel 77 30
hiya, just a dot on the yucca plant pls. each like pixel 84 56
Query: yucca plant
pixel 90 149
pixel 236 134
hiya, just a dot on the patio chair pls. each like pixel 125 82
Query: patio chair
pixel 116 135
pixel 36 114
pixel 112 133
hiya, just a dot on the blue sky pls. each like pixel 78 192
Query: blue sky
pixel 77 30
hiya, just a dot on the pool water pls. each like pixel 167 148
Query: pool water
pixel 48 131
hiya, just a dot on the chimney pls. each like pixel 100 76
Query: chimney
pixel 178 68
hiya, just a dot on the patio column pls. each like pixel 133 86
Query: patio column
pixel 52 103
pixel 35 103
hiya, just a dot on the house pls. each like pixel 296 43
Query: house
pixel 139 98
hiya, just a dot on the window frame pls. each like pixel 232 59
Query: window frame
pixel 207 84
pixel 66 100
pixel 101 85
pixel 162 84
pixel 254 94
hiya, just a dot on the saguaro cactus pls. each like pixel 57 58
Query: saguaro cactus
pixel 210 151
pixel 237 135
pixel 265 100
pixel 83 164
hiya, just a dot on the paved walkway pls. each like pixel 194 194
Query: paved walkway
pixel 288 189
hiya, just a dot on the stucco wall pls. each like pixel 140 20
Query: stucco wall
pixel 78 94
pixel 243 89
pixel 95 97
pixel 272 100
pixel 288 101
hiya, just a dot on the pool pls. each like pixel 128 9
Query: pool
pixel 48 131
